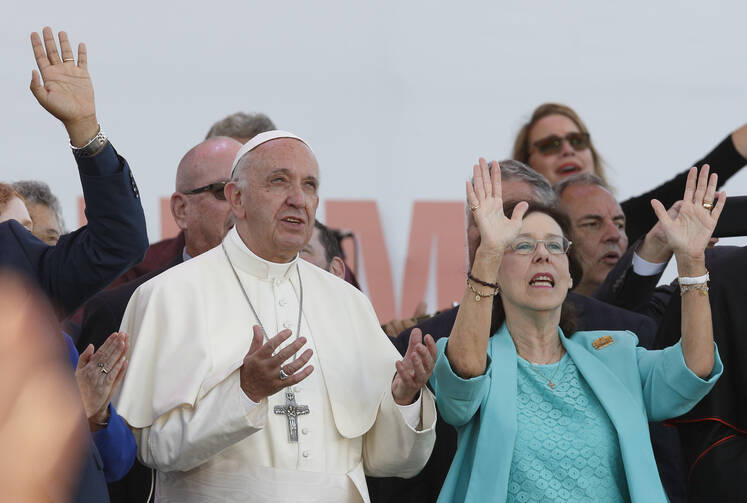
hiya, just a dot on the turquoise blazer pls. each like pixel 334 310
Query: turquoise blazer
pixel 633 385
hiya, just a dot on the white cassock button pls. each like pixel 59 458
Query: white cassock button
pixel 305 431
pixel 282 302
pixel 286 325
pixel 306 454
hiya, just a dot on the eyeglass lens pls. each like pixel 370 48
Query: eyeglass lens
pixel 555 246
pixel 217 191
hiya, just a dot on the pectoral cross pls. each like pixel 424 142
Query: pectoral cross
pixel 290 410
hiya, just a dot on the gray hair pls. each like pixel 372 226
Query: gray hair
pixel 36 192
pixel 241 125
pixel 589 179
pixel 517 170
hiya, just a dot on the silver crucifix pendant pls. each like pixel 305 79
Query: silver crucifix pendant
pixel 291 411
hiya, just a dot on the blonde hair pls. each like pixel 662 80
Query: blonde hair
pixel 521 144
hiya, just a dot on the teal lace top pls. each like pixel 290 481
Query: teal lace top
pixel 566 447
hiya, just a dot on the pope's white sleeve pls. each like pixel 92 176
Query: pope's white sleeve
pixel 186 437
pixel 394 448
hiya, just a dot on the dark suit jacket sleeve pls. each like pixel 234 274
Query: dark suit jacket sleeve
pixel 101 317
pixel 87 260
pixel 724 160
pixel 628 290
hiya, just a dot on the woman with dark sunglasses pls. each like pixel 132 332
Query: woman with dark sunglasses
pixel 556 143
pixel 547 413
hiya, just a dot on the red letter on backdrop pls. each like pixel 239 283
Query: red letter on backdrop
pixel 362 217
pixel 439 221
pixel 440 224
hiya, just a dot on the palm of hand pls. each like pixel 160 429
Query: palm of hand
pixel 497 231
pixel 69 92
pixel 691 230
pixel 485 197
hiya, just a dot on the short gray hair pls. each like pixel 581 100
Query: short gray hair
pixel 241 125
pixel 589 179
pixel 517 170
pixel 36 192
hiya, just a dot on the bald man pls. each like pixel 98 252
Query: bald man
pixel 198 204
pixel 195 204
pixel 201 211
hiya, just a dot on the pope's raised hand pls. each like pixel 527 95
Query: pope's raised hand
pixel 689 232
pixel 64 89
pixel 485 199
pixel 414 370
pixel 263 373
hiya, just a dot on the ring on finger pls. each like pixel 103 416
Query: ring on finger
pixel 283 375
pixel 708 205
pixel 68 59
pixel 102 368
pixel 474 207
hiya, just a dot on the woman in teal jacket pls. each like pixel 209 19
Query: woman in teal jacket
pixel 545 417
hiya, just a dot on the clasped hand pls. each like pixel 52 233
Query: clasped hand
pixel 260 373
pixel 98 374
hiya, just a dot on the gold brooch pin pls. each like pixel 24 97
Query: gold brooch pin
pixel 603 342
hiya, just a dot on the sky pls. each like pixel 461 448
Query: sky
pixel 397 99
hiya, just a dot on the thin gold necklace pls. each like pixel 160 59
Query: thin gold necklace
pixel 550 384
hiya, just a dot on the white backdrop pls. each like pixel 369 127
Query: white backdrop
pixel 397 98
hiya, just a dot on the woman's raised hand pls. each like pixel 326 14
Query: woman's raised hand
pixel 485 199
pixel 690 231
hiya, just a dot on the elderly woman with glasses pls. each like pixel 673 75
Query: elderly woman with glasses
pixel 545 414
pixel 556 143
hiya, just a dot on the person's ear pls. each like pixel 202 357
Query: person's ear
pixel 179 209
pixel 233 196
pixel 337 267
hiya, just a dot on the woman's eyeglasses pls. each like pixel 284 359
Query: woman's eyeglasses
pixel 553 144
pixel 555 245
pixel 216 189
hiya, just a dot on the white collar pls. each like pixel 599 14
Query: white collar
pixel 246 260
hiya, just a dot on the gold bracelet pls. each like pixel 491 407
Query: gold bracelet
pixel 479 295
pixel 700 287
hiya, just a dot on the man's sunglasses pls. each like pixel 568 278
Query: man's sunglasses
pixel 216 189
pixel 553 144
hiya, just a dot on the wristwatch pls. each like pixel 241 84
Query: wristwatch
pixel 93 147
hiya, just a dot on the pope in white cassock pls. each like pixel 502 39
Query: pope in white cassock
pixel 255 376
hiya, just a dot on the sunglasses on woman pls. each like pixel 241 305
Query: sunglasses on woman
pixel 216 189
pixel 553 144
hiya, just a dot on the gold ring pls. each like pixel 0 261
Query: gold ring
pixel 473 208
pixel 68 59
pixel 708 206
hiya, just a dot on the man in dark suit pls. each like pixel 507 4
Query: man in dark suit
pixel 85 261
pixel 713 435
pixel 202 213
